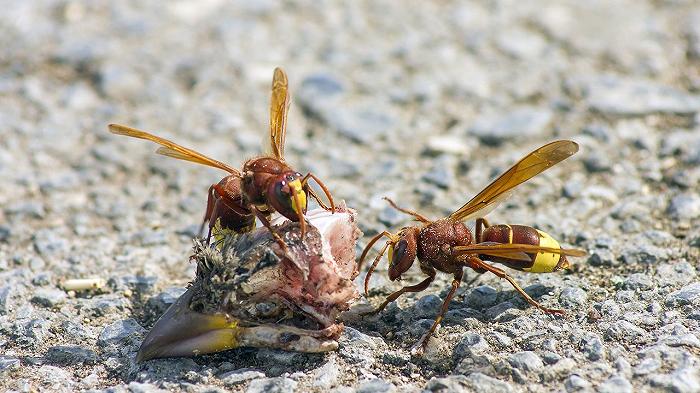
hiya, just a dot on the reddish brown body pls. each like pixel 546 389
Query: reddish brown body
pixel 447 245
pixel 521 234
pixel 436 241
pixel 260 187
pixel 226 204
pixel 265 185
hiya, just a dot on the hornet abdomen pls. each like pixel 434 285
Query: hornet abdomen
pixel 541 262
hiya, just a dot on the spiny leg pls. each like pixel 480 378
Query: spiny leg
pixel 374 266
pixel 417 215
pixel 502 274
pixel 410 288
pixel 481 224
pixel 210 209
pixel 315 196
pixel 420 345
pixel 369 247
pixel 304 182
pixel 266 224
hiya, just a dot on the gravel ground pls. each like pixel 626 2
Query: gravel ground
pixel 421 102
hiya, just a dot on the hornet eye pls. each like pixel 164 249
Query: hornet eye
pixel 282 193
pixel 398 252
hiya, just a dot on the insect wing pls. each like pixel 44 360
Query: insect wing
pixel 172 149
pixel 279 106
pixel 531 165
pixel 514 251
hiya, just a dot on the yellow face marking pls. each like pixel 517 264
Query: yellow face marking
pixel 295 187
pixel 545 262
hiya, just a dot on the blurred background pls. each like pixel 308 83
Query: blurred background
pixel 424 102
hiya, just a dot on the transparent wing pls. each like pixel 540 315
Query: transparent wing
pixel 531 165
pixel 279 106
pixel 172 149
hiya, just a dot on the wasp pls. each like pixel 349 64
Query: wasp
pixel 448 246
pixel 265 185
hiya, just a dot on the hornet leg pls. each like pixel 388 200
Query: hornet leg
pixel 478 263
pixel 411 288
pixel 420 345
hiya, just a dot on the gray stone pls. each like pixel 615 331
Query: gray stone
pixel 675 274
pixel 471 344
pixel 8 364
pixel 124 332
pixel 70 355
pixel 684 144
pixel 550 358
pixel 376 386
pixel 391 217
pixel 55 377
pixel 489 384
pixel 362 124
pixel 59 182
pixel 138 283
pixel 6 292
pixel 482 296
pixel 576 383
pixel 618 96
pixel 638 281
pixel 160 302
pixel 449 384
pixel 33 209
pixel 358 347
pixel 603 257
pixel 593 347
pixel 644 253
pixel 526 361
pixel 42 279
pixel 516 123
pixel 48 243
pixel 684 206
pixel 689 340
pixel 616 384
pixel 316 89
pixel 235 377
pixel 76 331
pixel 33 333
pixel 659 238
pixel 151 237
pixel 572 297
pixel 327 376
pixel 572 189
pixel 689 294
pixel 5 233
pixel 272 385
pixel 596 161
pixel 441 173
pixel 49 297
pixel 427 306
pixel 420 326
pixel 684 380
pixel 138 387
pixel 626 331
pixel 103 305
pixel 119 82
pixel 647 366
